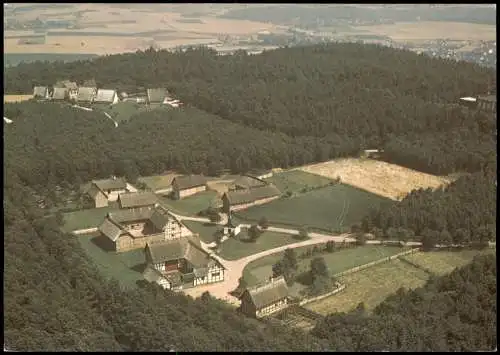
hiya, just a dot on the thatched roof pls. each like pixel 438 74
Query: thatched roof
pixel 110 184
pixel 40 91
pixel 189 181
pixel 86 94
pixel 183 248
pixel 137 199
pixel 250 195
pixel 264 295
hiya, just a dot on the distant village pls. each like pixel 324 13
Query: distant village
pixel 88 93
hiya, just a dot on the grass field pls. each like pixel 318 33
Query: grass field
pixel 327 208
pixel 121 111
pixel 378 177
pixel 371 286
pixel 444 262
pixel 338 261
pixel 125 267
pixel 158 182
pixel 296 180
pixel 205 230
pixel 233 249
pixel 190 205
pixel 85 218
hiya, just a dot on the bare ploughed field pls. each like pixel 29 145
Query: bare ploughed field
pixel 378 177
pixel 429 30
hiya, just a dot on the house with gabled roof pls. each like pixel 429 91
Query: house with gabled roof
pixel 41 92
pixel 105 190
pixel 86 94
pixel 137 199
pixel 182 262
pixel 106 96
pixel 187 185
pixel 241 199
pixel 71 86
pixel 59 93
pixel 157 95
pixel 266 299
pixel 128 229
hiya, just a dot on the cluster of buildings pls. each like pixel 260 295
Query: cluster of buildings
pixel 88 93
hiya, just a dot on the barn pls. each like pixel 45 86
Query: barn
pixel 41 92
pixel 185 260
pixel 60 94
pixel 266 299
pixel 105 190
pixel 137 199
pixel 241 199
pixel 183 186
pixel 86 94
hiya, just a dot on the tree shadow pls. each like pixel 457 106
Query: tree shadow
pixel 139 267
pixel 103 242
pixel 304 278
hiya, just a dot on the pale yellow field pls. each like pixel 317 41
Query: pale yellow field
pixel 428 30
pixel 16 98
pixel 444 262
pixel 371 286
pixel 378 177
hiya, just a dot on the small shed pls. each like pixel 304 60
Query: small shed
pixel 41 92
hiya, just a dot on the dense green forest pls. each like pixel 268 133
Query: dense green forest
pixel 461 213
pixel 456 312
pixel 346 97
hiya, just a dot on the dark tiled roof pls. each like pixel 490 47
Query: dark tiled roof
pixel 131 215
pixel 183 248
pixel 137 199
pixel 269 293
pixel 110 229
pixel 110 184
pixel 189 181
pixel 94 191
pixel 157 95
pixel 250 195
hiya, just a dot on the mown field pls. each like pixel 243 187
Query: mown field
pixel 329 208
pixel 296 180
pixel 371 286
pixel 444 262
pixel 233 249
pixel 206 231
pixel 85 218
pixel 191 205
pixel 337 261
pixel 125 267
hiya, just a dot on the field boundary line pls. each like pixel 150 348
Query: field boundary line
pixel 320 297
pixel 415 265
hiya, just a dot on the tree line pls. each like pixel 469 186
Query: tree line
pixel 342 94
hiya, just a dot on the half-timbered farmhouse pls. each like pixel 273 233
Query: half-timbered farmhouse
pixel 266 299
pixel 134 228
pixel 137 199
pixel 241 199
pixel 188 185
pixel 41 92
pixel 103 191
pixel 181 262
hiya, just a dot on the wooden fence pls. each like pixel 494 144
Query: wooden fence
pixel 376 262
pixel 320 297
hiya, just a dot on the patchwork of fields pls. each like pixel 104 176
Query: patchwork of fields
pixel 329 208
pixel 296 180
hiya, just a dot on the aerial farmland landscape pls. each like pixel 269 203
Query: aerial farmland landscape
pixel 249 177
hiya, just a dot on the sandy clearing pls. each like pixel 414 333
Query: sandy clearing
pixel 378 177
pixel 16 98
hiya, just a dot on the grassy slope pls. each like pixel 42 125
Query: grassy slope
pixel 190 205
pixel 296 180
